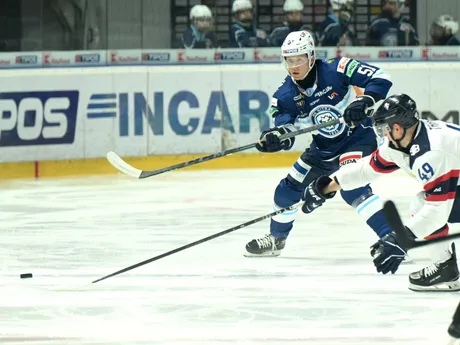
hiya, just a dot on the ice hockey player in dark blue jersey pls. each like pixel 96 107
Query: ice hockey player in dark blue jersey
pixel 391 28
pixel 443 30
pixel 337 82
pixel 243 32
pixel 293 22
pixel 336 30
pixel 199 34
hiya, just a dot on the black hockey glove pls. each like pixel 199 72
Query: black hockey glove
pixel 358 110
pixel 270 140
pixel 313 195
pixel 388 254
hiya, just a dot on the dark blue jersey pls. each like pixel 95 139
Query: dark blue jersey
pixel 192 38
pixel 280 33
pixel 385 31
pixel 452 41
pixel 331 30
pixel 338 81
pixel 240 37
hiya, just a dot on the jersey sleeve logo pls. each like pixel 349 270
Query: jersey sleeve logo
pixel 342 64
pixel 351 68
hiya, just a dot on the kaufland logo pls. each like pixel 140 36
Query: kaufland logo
pixel 261 56
pixel 428 54
pixel 183 57
pixel 48 59
pixel 115 57
pixel 352 54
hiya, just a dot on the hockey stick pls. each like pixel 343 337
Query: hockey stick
pixel 124 167
pixel 240 226
pixel 454 327
pixel 394 220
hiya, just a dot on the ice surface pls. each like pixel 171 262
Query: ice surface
pixel 322 290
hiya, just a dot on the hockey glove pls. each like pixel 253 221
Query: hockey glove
pixel 270 140
pixel 313 195
pixel 388 254
pixel 358 110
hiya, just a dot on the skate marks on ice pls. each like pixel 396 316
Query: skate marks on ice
pixel 69 232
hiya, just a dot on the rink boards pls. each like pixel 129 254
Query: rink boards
pixel 100 166
pixel 63 121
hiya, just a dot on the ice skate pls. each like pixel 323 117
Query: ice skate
pixel 440 276
pixel 265 246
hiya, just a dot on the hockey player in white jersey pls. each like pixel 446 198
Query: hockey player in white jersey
pixel 430 152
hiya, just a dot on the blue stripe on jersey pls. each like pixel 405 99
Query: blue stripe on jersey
pixel 300 168
pixel 456 128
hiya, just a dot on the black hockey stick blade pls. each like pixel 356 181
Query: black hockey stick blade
pixel 124 167
pixel 454 327
pixel 394 220
pixel 240 226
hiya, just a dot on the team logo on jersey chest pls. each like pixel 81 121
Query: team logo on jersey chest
pixel 327 113
pixel 414 150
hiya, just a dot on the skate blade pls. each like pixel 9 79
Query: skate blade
pixel 270 254
pixel 453 286
pixel 407 260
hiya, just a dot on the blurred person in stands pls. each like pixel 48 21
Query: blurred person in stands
pixel 200 34
pixel 243 31
pixel 293 22
pixel 336 29
pixel 443 30
pixel 391 28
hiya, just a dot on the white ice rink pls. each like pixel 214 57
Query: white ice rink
pixel 322 290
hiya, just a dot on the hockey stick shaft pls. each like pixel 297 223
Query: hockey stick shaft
pixel 454 327
pixel 124 167
pixel 394 220
pixel 240 226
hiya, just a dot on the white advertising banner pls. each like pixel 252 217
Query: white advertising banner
pixel 70 113
pixel 217 56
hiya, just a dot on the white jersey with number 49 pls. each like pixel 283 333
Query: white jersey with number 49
pixel 433 159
